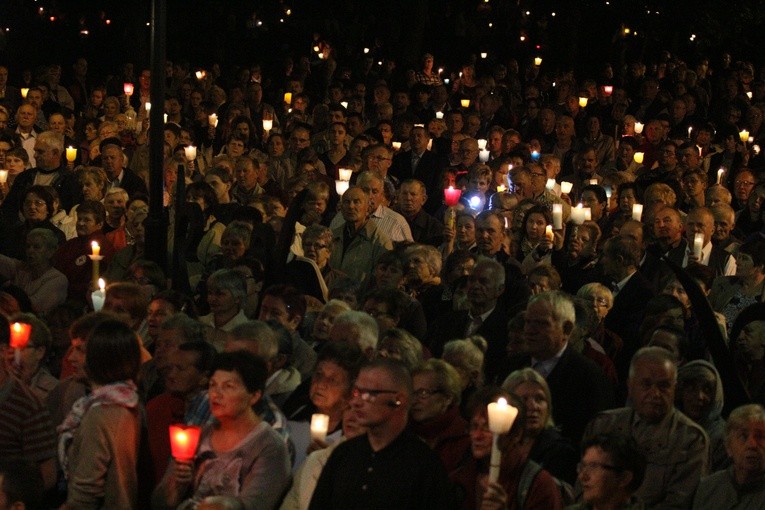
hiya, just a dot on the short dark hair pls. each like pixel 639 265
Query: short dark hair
pixel 598 190
pixel 293 300
pixel 44 193
pixel 205 352
pixel 394 299
pixel 250 368
pixel 82 326
pixel 113 353
pixel 624 452
pixel 349 357
pixel 93 207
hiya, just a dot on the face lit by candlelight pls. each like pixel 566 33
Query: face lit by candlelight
pixel 229 397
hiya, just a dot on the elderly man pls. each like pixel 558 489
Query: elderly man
pixel 425 228
pixel 247 185
pixel 578 386
pixel 741 485
pixel 119 176
pixel 668 232
pixel 358 242
pixel 676 449
pixel 50 171
pixel 418 162
pixel 388 467
pixel 725 223
pixel 388 221
pixel 358 329
pixel 702 221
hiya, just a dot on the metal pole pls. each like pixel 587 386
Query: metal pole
pixel 156 231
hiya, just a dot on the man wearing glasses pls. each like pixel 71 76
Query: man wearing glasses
pixel 388 467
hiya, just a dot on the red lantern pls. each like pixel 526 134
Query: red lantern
pixel 183 441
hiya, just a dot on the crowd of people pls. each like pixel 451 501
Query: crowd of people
pixel 394 249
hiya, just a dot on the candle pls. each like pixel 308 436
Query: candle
pixel 749 94
pixel 501 418
pixel 481 144
pixel 319 426
pixel 483 156
pixel 128 89
pixel 268 124
pixel 99 296
pixel 24 92
pixel 751 139
pixel 396 145
pixel 452 196
pixel 501 188
pixel 439 115
pixel 583 102
pixel 212 119
pixel 587 213
pixel 165 118
pixel 430 144
pixel 341 187
pixel 690 129
pixel 577 214
pixel 557 216
pixel 538 61
pixel 743 135
pixel 344 104
pixel 20 332
pixel 549 232
pixel 366 50
pixel 720 174
pixel 638 127
pixel 465 103
pixel 698 245
pixel 608 90
pixel 96 248
pixel 345 174
pixel 200 75
pixel 71 154
pixel 565 187
pixel 147 106
pixel 638 157
pixel 191 152
pixel 484 54
pixel 637 212
pixel 3 176
pixel 593 182
pixel 550 184
pixel 288 97
pixel 183 441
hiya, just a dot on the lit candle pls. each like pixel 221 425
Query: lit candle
pixel 465 103
pixel 341 187
pixel 344 104
pixel 550 184
pixel 557 216
pixel 99 296
pixel 200 75
pixel 183 442
pixel 96 248
pixel 345 174
pixel 483 156
pixel 396 145
pixel 430 144
pixel 549 232
pixel 608 90
pixel 638 127
pixel 481 144
pixel 366 50
pixel 751 139
pixel 756 149
pixel 128 89
pixel 319 426
pixel 743 135
pixel 638 157
pixel 24 92
pixel 288 97
pixel 749 94
pixel 587 213
pixel 593 182
pixel 71 154
pixel 577 214
pixel 147 106
pixel 191 152
pixel 165 118
pixel 501 418
pixel 690 129
pixel 501 188
pixel 439 115
pixel 212 119
pixel 484 54
pixel 565 187
pixel 268 124
pixel 637 212
pixel 452 196
pixel 538 61
pixel 720 173
pixel 583 102
pixel 3 176
pixel 698 245
pixel 20 332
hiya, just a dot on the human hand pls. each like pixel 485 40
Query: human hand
pixel 495 498
pixel 183 472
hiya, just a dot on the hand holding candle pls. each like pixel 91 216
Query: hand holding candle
pixel 637 212
pixel 71 154
pixel 698 245
pixel 20 332
pixel 319 426
pixel 501 418
pixel 566 187
pixel 184 441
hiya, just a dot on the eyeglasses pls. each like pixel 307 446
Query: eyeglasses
pixel 36 203
pixel 744 183
pixel 369 395
pixel 379 158
pixel 423 393
pixel 589 466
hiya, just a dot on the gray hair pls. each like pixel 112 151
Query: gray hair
pixel 431 255
pixel 52 139
pixel 364 325
pixel 560 303
pixel 230 280
pixel 656 354
pixel 260 333
pixel 192 330
pixel 48 238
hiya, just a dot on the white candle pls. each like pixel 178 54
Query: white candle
pixel 396 145
pixel 481 143
pixel 268 124
pixel 439 115
pixel 689 131
pixel 549 232
pixel 587 213
pixel 345 174
pixel 191 152
pixel 3 176
pixel 565 187
pixel 608 191
pixel 213 120
pixel 99 296
pixel 637 212
pixel 483 156
pixel 344 104
pixel 720 173
pixel 430 144
pixel 501 418
pixel 550 184
pixel 577 214
pixel 147 106
pixel 341 187
pixel 638 127
pixel 593 182
pixel 165 117
pixel 319 426
pixel 557 215
pixel 698 245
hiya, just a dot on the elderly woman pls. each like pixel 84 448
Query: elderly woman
pixel 324 320
pixel 226 292
pixel 602 300
pixel 234 244
pixel 472 475
pixel 422 279
pixel 461 237
pixel 239 455
pixel 101 470
pixel 435 411
pixel 731 294
pixel 37 207
pixel 45 286
pixel 399 344
pixel 467 357
pixel 311 274
pixel 534 244
pixel 31 369
pixel 542 442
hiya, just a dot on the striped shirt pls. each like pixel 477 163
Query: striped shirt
pixel 26 430
pixel 388 221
